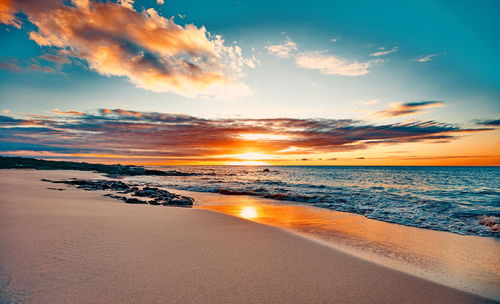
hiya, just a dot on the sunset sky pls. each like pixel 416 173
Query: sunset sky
pixel 251 82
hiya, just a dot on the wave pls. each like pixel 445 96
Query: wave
pixel 440 198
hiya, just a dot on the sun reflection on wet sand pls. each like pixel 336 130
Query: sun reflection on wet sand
pixel 248 212
pixel 465 262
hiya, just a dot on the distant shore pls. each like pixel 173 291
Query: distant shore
pixel 69 246
pixel 110 170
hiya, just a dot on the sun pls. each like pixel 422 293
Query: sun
pixel 250 159
pixel 248 163
pixel 252 156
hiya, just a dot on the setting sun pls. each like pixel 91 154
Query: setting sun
pixel 253 156
pixel 248 163
pixel 251 159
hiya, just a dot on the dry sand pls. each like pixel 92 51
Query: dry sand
pixel 76 246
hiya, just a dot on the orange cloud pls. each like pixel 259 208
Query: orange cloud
pixel 409 108
pixel 153 52
pixel 71 112
pixel 175 136
pixel 7 11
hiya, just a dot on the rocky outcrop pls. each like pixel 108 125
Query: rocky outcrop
pixel 156 196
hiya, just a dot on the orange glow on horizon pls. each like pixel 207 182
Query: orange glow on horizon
pixel 248 163
pixel 252 156
pixel 249 159
pixel 478 150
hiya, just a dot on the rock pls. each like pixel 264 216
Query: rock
pixel 491 222
pixel 146 193
pixel 57 189
pixel 160 196
pixel 135 201
pixel 266 170
pixel 123 198
pixel 179 201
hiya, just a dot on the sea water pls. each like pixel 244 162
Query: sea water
pixel 452 199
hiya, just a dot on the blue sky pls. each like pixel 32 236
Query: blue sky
pixel 443 51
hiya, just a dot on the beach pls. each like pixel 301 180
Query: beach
pixel 76 246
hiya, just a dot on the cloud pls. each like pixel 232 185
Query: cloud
pixel 410 108
pixel 126 3
pixel 426 58
pixel 383 51
pixel 284 50
pixel 319 60
pixel 9 67
pixel 55 58
pixel 33 64
pixel 488 122
pixel 153 52
pixel 36 67
pixel 333 65
pixel 115 133
pixel 7 11
pixel 71 112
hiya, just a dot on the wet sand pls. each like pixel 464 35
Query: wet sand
pixel 468 263
pixel 75 246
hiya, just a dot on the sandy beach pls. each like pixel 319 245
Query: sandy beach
pixel 76 246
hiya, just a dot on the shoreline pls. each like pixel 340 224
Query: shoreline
pixel 484 223
pixel 249 262
pixel 462 262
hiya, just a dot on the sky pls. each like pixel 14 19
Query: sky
pixel 251 82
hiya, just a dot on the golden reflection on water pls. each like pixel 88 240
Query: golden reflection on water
pixel 466 262
pixel 248 212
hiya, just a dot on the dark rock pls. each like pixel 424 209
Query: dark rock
pixel 135 201
pixel 58 189
pixel 160 196
pixel 178 200
pixel 116 196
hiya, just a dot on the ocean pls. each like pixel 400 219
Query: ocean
pixel 452 199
